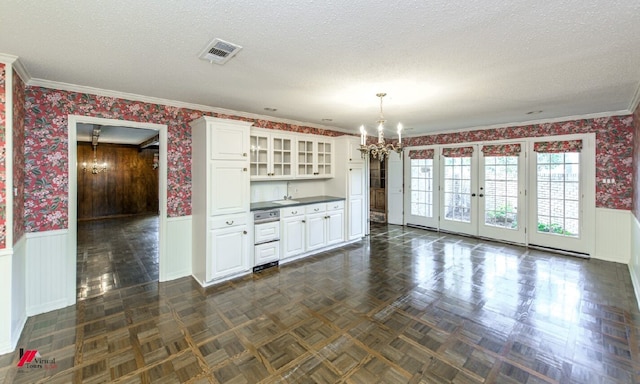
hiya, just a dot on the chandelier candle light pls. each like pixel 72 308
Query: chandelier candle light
pixel 380 150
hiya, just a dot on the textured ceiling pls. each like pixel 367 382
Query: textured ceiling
pixel 445 64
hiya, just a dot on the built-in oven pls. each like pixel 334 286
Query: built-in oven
pixel 266 230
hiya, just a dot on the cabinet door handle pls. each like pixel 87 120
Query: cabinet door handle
pixel 481 195
pixel 473 195
pixel 304 221
pixel 316 209
pixel 244 232
pixel 294 212
pixel 244 169
pixel 229 222
pixel 244 154
pixel 326 217
pixel 335 206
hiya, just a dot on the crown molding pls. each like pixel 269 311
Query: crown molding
pixel 529 122
pixel 635 100
pixel 34 82
pixel 7 59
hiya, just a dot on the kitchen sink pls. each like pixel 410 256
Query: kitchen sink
pixel 285 202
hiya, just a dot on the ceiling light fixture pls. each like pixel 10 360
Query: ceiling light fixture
pixel 95 167
pixel 380 150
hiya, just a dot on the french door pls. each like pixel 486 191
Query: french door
pixel 562 199
pixel 481 190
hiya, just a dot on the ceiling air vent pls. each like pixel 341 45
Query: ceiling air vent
pixel 219 51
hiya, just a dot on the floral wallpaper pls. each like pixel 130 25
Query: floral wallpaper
pixel 636 162
pixel 3 173
pixel 18 156
pixel 45 147
pixel 614 150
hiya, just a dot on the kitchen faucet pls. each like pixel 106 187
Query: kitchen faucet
pixel 287 196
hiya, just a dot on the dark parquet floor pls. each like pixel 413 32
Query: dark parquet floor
pixel 403 306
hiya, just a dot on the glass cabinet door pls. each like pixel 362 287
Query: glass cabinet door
pixel 259 159
pixel 282 156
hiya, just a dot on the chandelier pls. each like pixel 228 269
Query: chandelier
pixel 380 150
pixel 95 167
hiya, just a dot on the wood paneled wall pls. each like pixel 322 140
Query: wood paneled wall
pixel 129 186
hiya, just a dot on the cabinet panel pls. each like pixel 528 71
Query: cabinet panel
pixel 335 227
pixel 305 158
pixel 316 235
pixel 228 253
pixel 282 156
pixel 293 235
pixel 229 142
pixel 356 221
pixel 229 188
pixel 259 158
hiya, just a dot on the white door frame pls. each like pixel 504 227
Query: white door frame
pixel 72 202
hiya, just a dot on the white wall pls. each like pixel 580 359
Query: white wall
pixel 177 261
pixel 5 301
pixel 18 290
pixel 48 272
pixel 634 263
pixel 613 235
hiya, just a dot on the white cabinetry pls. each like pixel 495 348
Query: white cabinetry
pixel 335 223
pixel 310 227
pixel 350 182
pixel 220 198
pixel 316 232
pixel 271 155
pixel 315 158
pixel 293 231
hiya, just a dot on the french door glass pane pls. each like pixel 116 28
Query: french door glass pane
pixel 558 206
pixel 501 191
pixel 422 187
pixel 457 189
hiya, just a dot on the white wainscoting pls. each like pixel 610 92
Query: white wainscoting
pixel 613 235
pixel 48 272
pixel 18 290
pixel 177 260
pixel 634 263
pixel 5 302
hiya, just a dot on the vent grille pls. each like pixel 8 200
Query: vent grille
pixel 219 51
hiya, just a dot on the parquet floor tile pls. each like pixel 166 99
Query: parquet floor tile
pixel 402 306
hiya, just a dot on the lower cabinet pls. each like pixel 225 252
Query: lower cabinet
pixel 228 252
pixel 293 234
pixel 311 227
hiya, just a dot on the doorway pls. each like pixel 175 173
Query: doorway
pixel 161 130
pixel 532 191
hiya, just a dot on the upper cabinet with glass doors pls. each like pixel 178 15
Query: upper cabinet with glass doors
pixel 315 157
pixel 271 155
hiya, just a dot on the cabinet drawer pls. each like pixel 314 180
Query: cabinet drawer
pixel 315 208
pixel 266 232
pixel 228 221
pixel 335 205
pixel 266 253
pixel 292 211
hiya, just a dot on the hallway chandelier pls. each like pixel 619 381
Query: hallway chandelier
pixel 95 167
pixel 380 150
